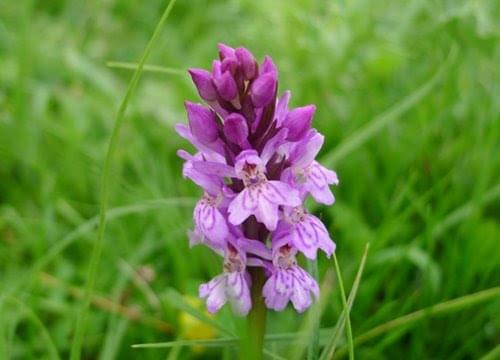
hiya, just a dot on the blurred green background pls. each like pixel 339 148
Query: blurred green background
pixel 408 96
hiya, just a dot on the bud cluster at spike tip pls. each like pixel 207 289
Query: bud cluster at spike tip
pixel 255 162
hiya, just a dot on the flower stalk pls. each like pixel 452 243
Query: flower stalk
pixel 256 322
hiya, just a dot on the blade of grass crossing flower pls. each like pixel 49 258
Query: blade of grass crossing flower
pixel 77 342
pixel 233 341
pixel 329 349
pixel 148 68
pixel 177 301
pixel 384 119
pixel 437 309
pixel 449 306
pixel 174 353
pixel 222 342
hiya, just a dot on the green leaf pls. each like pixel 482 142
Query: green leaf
pixel 329 349
pixel 148 68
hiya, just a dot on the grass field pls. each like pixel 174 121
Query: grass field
pixel 407 95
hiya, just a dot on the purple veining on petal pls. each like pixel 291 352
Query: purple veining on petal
pixel 303 231
pixel 209 220
pixel 289 282
pixel 233 285
pixel 260 197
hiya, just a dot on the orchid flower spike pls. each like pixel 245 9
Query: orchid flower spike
pixel 255 164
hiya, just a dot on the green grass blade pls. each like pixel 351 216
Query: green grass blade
pixel 272 355
pixel 222 342
pixel 111 214
pixel 445 307
pixel 104 186
pixel 308 335
pixel 493 354
pixel 387 117
pixel 176 300
pixel 44 333
pixel 146 68
pixel 462 212
pixel 346 308
pixel 329 349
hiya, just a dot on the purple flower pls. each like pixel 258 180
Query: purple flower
pixel 232 285
pixel 260 197
pixel 303 231
pixel 289 282
pixel 255 163
pixel 307 174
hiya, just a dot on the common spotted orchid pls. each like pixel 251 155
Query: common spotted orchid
pixel 255 162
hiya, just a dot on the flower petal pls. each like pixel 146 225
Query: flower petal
pixel 267 213
pixel 238 292
pixel 211 222
pixel 281 193
pixel 309 235
pixel 242 206
pixel 215 293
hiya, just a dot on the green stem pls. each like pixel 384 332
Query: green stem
pixel 254 344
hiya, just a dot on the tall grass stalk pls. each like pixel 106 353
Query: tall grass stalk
pixel 346 308
pixel 104 189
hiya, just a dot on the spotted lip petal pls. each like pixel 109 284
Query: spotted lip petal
pixel 232 286
pixel 318 181
pixel 307 235
pixel 292 284
pixel 215 292
pixel 262 201
pixel 239 293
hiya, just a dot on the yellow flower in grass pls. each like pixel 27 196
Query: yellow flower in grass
pixel 194 329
